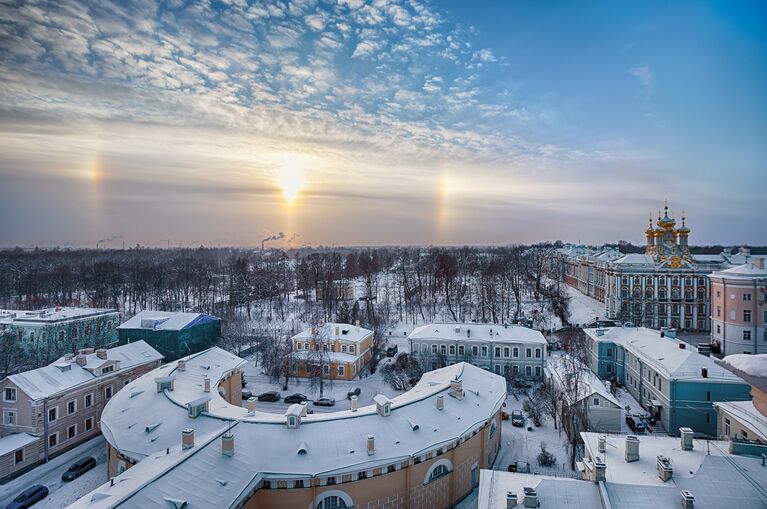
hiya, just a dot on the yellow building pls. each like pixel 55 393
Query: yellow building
pixel 339 350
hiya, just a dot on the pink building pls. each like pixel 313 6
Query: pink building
pixel 739 308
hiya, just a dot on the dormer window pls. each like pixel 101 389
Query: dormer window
pixel 292 421
pixel 198 406
pixel 107 369
pixel 383 405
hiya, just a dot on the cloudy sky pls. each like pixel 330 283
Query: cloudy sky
pixel 383 122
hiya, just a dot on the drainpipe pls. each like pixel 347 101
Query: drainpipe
pixel 45 427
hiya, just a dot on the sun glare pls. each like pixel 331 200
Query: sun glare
pixel 289 177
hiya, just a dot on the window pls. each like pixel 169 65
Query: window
pixel 299 346
pixel 74 332
pixel 746 335
pixel 88 399
pixel 108 392
pixel 452 349
pixel 71 407
pixel 434 349
pixel 439 471
pixel 609 368
pixel 528 352
pixel 596 401
pixel 727 427
pixel 746 296
pixel 461 350
pixel 528 370
pixel 343 348
pixel 708 395
pixel 351 348
pixel 515 352
pixel 747 315
pixel 18 457
pixel 515 369
pixel 484 351
pixel 537 371
pixel 497 369
pixel 9 418
pixel 332 502
pixel 9 394
pixel 610 352
pixel 537 353
pixel 443 349
pixel 126 382
pixel 506 351
pixel 53 439
pixel 326 369
pixel 89 424
pixel 493 428
pixel 718 311
pixel 71 432
pixel 340 371
pixel 52 414
pixel 745 434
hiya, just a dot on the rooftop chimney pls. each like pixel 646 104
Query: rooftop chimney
pixel 599 469
pixel 338 331
pixel 602 444
pixel 68 357
pixel 81 360
pixel 665 471
pixel 227 444
pixel 440 402
pixel 759 263
pixel 101 353
pixel 357 324
pixel 704 372
pixel 688 501
pixel 686 435
pixel 206 384
pixel 371 445
pixel 632 448
pixel 181 365
pixel 187 438
pixel 456 388
pixel 86 351
pixel 531 497
pixel 511 499
pixel 251 405
pixel 354 403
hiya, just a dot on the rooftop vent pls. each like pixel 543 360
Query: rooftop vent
pixel 599 469
pixel 135 392
pixel 86 351
pixel 64 366
pixel 251 405
pixel 187 438
pixel 303 448
pixel 632 448
pixel 511 499
pixel 175 503
pixel 150 428
pixel 682 346
pixel 357 324
pixel 338 331
pixel 227 444
pixel 206 384
pixel 181 365
pixel 101 353
pixel 371 445
pixel 164 383
pixel 531 497
pixel 354 403
pixel 440 402
pixel 688 501
pixel 686 436
pixel 665 470
pixel 198 406
pixel 68 357
pixel 413 425
pixel 759 262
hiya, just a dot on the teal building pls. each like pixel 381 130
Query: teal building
pixel 174 335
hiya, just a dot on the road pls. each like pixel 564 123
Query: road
pixel 61 493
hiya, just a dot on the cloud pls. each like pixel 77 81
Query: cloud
pixel 645 76
pixel 485 55
pixel 365 48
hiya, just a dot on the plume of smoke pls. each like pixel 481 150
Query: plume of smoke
pixel 110 239
pixel 277 236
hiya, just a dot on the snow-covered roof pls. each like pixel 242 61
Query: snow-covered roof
pixel 746 412
pixel 479 332
pixel 327 331
pixel 327 356
pixel 15 442
pixel 752 368
pixel 332 443
pixel 635 259
pixel 746 271
pixel 555 492
pixel 664 354
pixel 51 315
pixel 63 375
pixel 589 383
pixel 163 320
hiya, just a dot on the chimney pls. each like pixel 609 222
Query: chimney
pixel 456 388
pixel 531 497
pixel 688 501
pixel 759 262
pixel 632 448
pixel 354 403
pixel 251 405
pixel 101 353
pixel 68 357
pixel 86 351
pixel 181 365
pixel 357 324
pixel 511 499
pixel 440 402
pixel 602 445
pixel 304 406
pixel 665 471
pixel 599 469
pixel 206 384
pixel 227 444
pixel 704 372
pixel 371 445
pixel 686 435
pixel 81 360
pixel 187 438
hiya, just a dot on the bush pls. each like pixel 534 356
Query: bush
pixel 545 458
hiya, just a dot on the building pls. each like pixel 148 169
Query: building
pixel 629 472
pixel 51 332
pixel 669 378
pixel 666 286
pixel 512 351
pixel 739 308
pixel 745 421
pixel 172 334
pixel 603 411
pixel 51 409
pixel 340 350
pixel 421 449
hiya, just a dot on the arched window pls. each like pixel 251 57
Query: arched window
pixel 439 468
pixel 332 499
pixel 648 293
pixel 688 293
pixel 675 293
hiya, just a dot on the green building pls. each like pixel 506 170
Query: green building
pixel 174 335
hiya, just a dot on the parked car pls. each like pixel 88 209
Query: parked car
pixel 269 396
pixel 28 497
pixel 296 398
pixel 78 468
pixel 246 394
pixel 635 423
pixel 354 392
pixel 325 402
pixel 517 418
pixel 392 351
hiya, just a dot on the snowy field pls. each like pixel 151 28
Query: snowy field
pixel 61 493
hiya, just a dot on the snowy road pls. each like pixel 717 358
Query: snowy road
pixel 583 308
pixel 61 493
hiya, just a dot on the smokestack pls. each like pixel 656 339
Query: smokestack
pixel 227 444
pixel 206 384
pixel 354 403
pixel 440 402
pixel 371 445
pixel 187 438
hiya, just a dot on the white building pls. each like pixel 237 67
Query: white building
pixel 508 350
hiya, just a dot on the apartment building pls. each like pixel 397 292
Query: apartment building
pixel 51 409
pixel 512 351
pixel 421 449
pixel 668 377
pixel 174 335
pixel 340 350
pixel 739 308
pixel 49 333
pixel 745 421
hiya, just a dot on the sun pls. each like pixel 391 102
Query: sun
pixel 289 177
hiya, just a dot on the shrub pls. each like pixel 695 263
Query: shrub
pixel 545 458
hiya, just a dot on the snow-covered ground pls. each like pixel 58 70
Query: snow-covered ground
pixel 61 493
pixel 583 308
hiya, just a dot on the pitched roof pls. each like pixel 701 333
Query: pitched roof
pixel 479 332
pixel 746 412
pixel 589 385
pixel 162 320
pixel 327 331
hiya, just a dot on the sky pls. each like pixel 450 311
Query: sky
pixel 389 122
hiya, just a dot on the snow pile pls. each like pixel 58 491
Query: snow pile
pixel 753 365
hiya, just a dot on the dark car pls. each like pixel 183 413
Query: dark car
pixel 325 402
pixel 635 423
pixel 28 497
pixel 354 392
pixel 246 395
pixel 269 396
pixel 296 398
pixel 517 418
pixel 392 351
pixel 78 468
